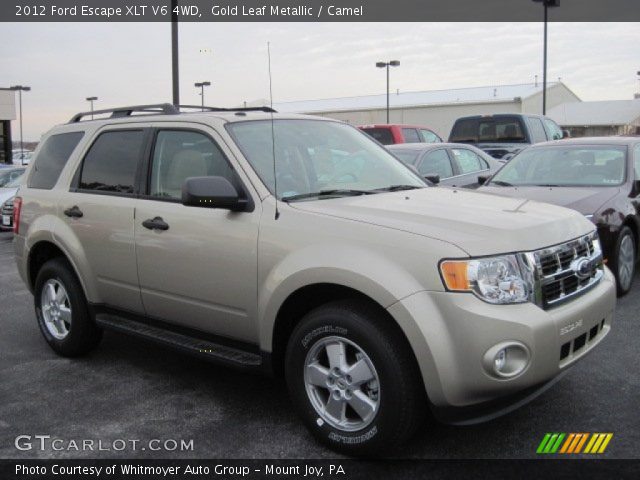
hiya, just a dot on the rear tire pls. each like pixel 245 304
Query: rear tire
pixel 62 312
pixel 353 379
pixel 624 260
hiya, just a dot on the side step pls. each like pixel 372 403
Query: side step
pixel 201 348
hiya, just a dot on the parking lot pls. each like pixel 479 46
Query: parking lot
pixel 128 389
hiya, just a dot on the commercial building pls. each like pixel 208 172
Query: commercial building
pixel 7 113
pixel 437 109
pixel 588 119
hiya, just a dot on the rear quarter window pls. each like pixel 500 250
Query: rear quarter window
pixel 52 158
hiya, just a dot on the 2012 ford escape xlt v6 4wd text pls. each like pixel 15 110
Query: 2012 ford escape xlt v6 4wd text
pixel 299 246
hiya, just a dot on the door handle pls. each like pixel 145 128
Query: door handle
pixel 155 223
pixel 73 212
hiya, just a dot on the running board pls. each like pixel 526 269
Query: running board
pixel 195 346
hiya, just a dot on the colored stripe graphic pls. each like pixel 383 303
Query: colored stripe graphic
pixel 573 443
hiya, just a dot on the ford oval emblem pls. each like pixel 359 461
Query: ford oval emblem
pixel 583 268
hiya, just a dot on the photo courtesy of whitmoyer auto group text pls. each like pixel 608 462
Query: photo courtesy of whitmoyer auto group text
pixel 338 239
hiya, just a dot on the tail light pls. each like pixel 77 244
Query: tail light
pixel 17 208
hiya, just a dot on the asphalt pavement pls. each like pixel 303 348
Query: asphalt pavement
pixel 134 392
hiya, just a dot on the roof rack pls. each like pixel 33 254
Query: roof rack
pixel 221 109
pixel 163 108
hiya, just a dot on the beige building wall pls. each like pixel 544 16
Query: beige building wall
pixel 556 95
pixel 7 105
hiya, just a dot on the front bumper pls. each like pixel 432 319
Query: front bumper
pixel 451 332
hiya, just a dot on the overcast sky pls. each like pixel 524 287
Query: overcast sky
pixel 127 63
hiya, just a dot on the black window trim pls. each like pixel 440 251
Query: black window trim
pixel 143 185
pixel 75 183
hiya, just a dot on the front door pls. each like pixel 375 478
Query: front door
pixel 199 270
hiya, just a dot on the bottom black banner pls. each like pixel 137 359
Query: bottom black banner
pixel 311 469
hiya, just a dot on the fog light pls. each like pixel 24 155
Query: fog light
pixel 506 360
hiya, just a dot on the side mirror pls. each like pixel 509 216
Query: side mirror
pixel 433 178
pixel 636 187
pixel 482 179
pixel 566 134
pixel 212 192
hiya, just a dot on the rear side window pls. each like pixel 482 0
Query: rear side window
pixel 555 133
pixel 411 135
pixel 52 158
pixel 112 162
pixel 383 135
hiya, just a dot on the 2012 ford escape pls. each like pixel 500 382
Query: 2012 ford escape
pixel 299 246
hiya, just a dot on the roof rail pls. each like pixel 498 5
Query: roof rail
pixel 221 109
pixel 163 108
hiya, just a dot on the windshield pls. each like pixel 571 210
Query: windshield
pixel 599 166
pixel 315 156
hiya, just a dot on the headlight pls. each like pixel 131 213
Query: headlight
pixel 494 280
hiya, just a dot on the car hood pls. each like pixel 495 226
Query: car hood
pixel 479 224
pixel 585 200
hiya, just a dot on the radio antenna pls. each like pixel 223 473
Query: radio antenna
pixel 273 135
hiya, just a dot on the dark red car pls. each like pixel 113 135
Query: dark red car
pixel 598 177
pixel 390 134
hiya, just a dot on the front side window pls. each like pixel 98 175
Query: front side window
pixel 565 166
pixel 467 161
pixel 112 162
pixel 315 155
pixel 537 130
pixel 437 162
pixel 52 158
pixel 180 154
pixel 429 137
pixel 553 129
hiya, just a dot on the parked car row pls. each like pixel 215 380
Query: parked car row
pixel 10 180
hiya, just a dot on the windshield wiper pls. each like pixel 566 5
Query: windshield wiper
pixel 500 183
pixel 328 193
pixel 397 188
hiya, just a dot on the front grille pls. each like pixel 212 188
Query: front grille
pixel 7 208
pixel 567 270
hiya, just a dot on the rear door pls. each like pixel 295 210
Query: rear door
pixel 201 271
pixel 100 209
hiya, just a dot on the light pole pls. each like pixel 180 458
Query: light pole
pixel 175 63
pixel 20 89
pixel 201 86
pixel 92 99
pixel 546 4
pixel 392 63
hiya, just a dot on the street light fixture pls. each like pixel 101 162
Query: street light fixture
pixel 547 4
pixel 20 89
pixel 392 63
pixel 201 86
pixel 92 99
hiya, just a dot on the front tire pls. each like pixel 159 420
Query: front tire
pixel 353 379
pixel 62 312
pixel 624 260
